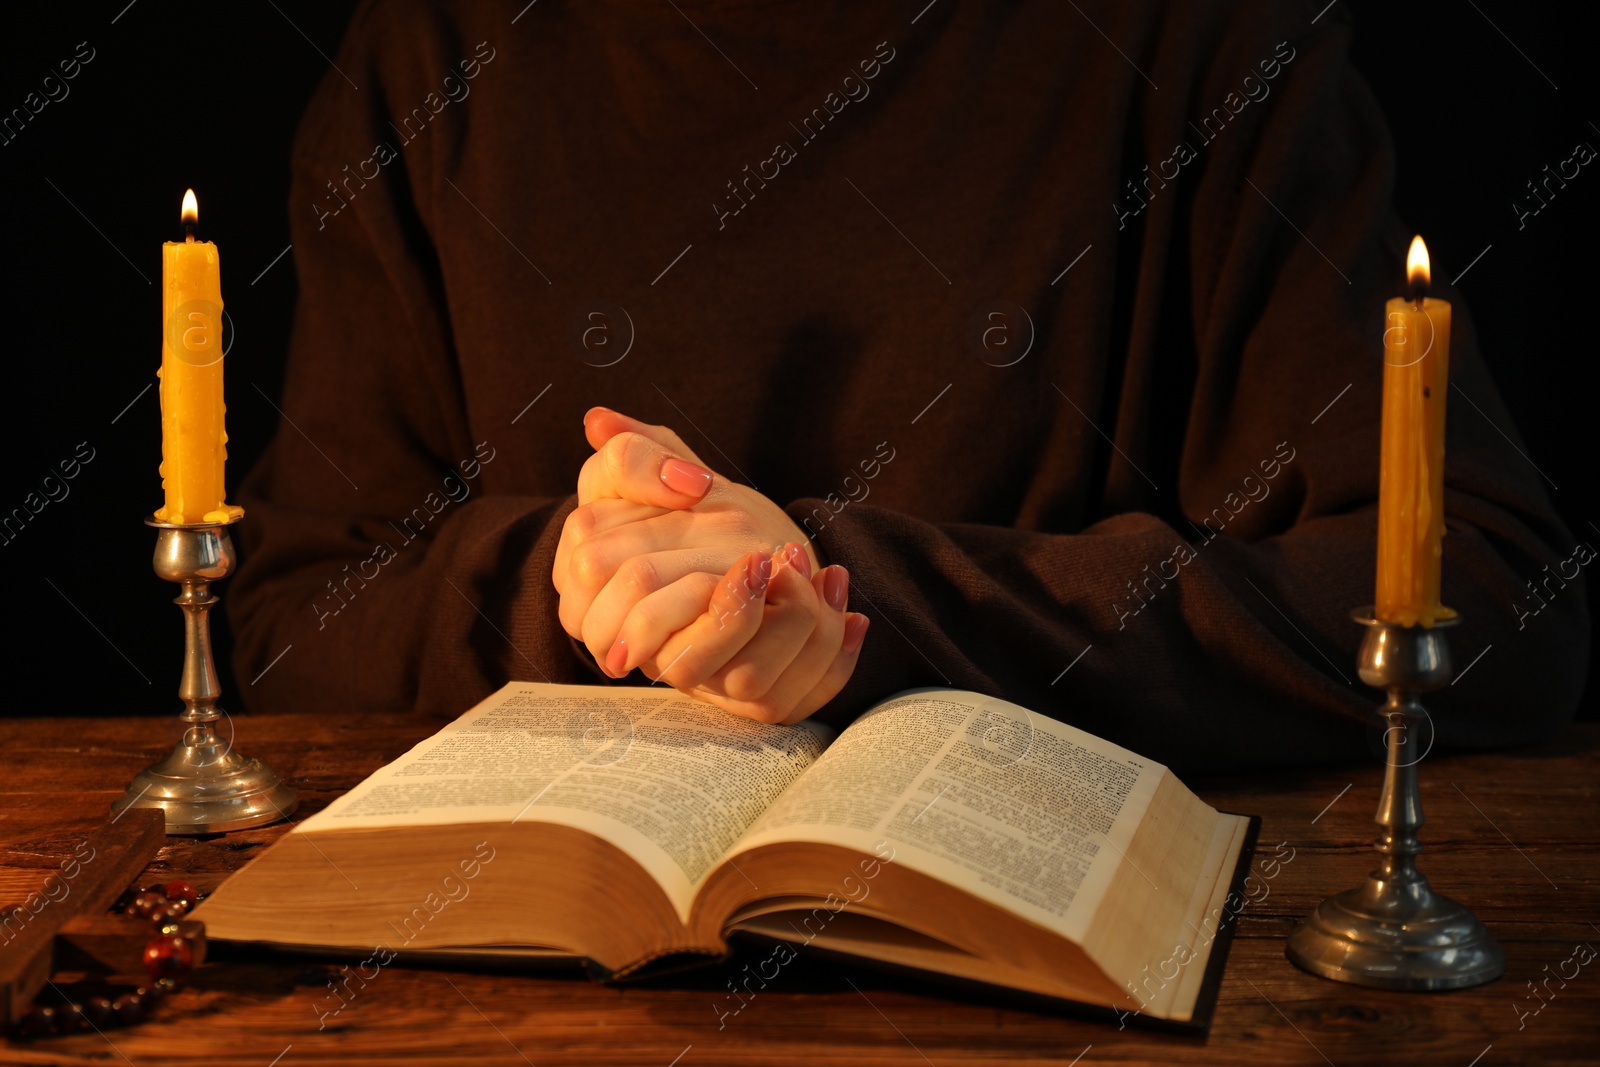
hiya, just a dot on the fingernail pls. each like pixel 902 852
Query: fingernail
pixel 799 560
pixel 836 587
pixel 686 478
pixel 758 572
pixel 592 411
pixel 617 658
pixel 855 631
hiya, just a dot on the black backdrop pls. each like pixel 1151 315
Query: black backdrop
pixel 1481 95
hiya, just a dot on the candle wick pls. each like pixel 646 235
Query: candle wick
pixel 188 233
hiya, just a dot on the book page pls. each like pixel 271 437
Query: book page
pixel 1015 808
pixel 671 781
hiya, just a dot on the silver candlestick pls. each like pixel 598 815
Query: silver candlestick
pixel 204 786
pixel 1394 931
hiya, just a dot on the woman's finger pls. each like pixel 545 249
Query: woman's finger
pixel 760 677
pixel 590 520
pixel 735 614
pixel 594 613
pixel 602 424
pixel 634 467
pixel 839 671
pixel 647 566
pixel 832 682
pixel 657 617
pixel 788 619
pixel 602 554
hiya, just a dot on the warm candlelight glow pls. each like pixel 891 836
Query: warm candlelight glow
pixel 1418 271
pixel 191 209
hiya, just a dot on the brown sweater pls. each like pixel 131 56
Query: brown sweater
pixel 817 240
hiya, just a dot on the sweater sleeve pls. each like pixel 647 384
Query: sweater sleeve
pixel 381 570
pixel 1211 629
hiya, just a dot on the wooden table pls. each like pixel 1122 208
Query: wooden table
pixel 1512 835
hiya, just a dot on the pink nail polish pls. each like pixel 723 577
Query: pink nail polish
pixel 617 658
pixel 758 572
pixel 836 588
pixel 799 560
pixel 855 631
pixel 683 477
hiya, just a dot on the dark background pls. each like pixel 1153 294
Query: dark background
pixel 1480 97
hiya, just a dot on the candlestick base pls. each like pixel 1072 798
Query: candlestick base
pixel 1396 934
pixel 205 789
pixel 1394 931
pixel 203 786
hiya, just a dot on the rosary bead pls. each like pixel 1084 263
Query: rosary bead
pixel 128 1008
pixel 169 911
pixel 147 902
pixel 97 1010
pixel 168 957
pixel 41 1019
pixel 71 1018
pixel 183 892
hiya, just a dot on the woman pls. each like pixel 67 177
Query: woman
pixel 1056 328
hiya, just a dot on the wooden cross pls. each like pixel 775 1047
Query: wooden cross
pixel 65 925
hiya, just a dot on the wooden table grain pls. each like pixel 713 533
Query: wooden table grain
pixel 1513 835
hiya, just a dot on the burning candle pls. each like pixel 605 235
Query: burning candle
pixel 193 440
pixel 1416 358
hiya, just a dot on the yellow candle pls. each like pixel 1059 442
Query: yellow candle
pixel 1416 375
pixel 193 441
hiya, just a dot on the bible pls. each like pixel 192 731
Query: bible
pixel 944 833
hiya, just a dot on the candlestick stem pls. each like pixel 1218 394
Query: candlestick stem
pixel 204 786
pixel 1394 931
pixel 199 688
pixel 1400 802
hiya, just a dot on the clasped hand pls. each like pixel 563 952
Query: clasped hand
pixel 702 583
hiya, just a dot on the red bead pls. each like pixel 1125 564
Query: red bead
pixel 183 892
pixel 168 956
pixel 147 902
pixel 171 911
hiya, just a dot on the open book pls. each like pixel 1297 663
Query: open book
pixel 942 832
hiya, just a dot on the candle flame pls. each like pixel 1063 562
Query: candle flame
pixel 1418 273
pixel 191 209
